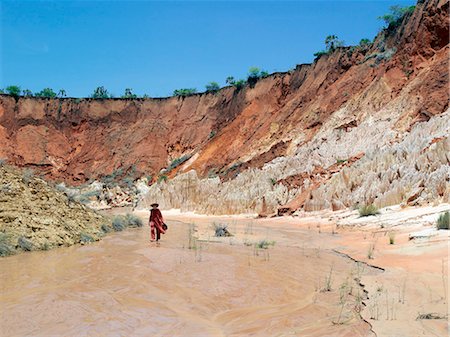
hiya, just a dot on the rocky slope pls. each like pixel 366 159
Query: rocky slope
pixel 361 125
pixel 36 216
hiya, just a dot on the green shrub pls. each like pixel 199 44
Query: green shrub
pixel 13 90
pixel 105 228
pixel 25 244
pixel 395 17
pixel 332 42
pixel 178 161
pixel 110 179
pixel 129 94
pixel 101 93
pixel 229 80
pixel 368 210
pixel 6 248
pixel 239 84
pixel 133 220
pixel 27 93
pixel 86 238
pixel 254 74
pixel 212 87
pixel 46 93
pixel 320 53
pixel 62 93
pixel 162 177
pixel 364 42
pixel 128 182
pixel 185 92
pixel 86 197
pixel 443 222
pixel 119 223
pixel 379 57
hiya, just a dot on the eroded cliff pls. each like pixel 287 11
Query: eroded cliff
pixel 347 115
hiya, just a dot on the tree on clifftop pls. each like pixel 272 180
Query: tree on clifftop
pixel 46 93
pixel 212 87
pixel 332 42
pixel 100 92
pixel 27 93
pixel 129 93
pixel 185 92
pixel 13 90
pixel 62 93
pixel 396 15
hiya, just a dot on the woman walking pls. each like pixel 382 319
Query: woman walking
pixel 156 222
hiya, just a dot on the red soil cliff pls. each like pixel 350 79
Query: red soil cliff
pixel 80 139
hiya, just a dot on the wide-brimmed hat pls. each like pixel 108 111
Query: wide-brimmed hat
pixel 154 204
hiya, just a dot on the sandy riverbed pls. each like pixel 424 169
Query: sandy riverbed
pixel 126 286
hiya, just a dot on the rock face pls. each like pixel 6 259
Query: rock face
pixel 246 144
pixel 35 216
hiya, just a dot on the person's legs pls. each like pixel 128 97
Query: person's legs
pixel 158 234
pixel 152 231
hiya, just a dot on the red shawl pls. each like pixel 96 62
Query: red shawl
pixel 157 219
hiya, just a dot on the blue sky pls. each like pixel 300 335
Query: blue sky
pixel 155 47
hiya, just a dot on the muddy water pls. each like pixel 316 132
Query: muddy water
pixel 127 286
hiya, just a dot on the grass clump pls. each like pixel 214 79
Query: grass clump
pixel 86 238
pixel 27 175
pixel 368 210
pixel 105 228
pixel 264 244
pixel 221 230
pixel 6 247
pixel 25 244
pixel 119 223
pixel 431 315
pixel 391 238
pixel 133 220
pixel 370 251
pixel 443 222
